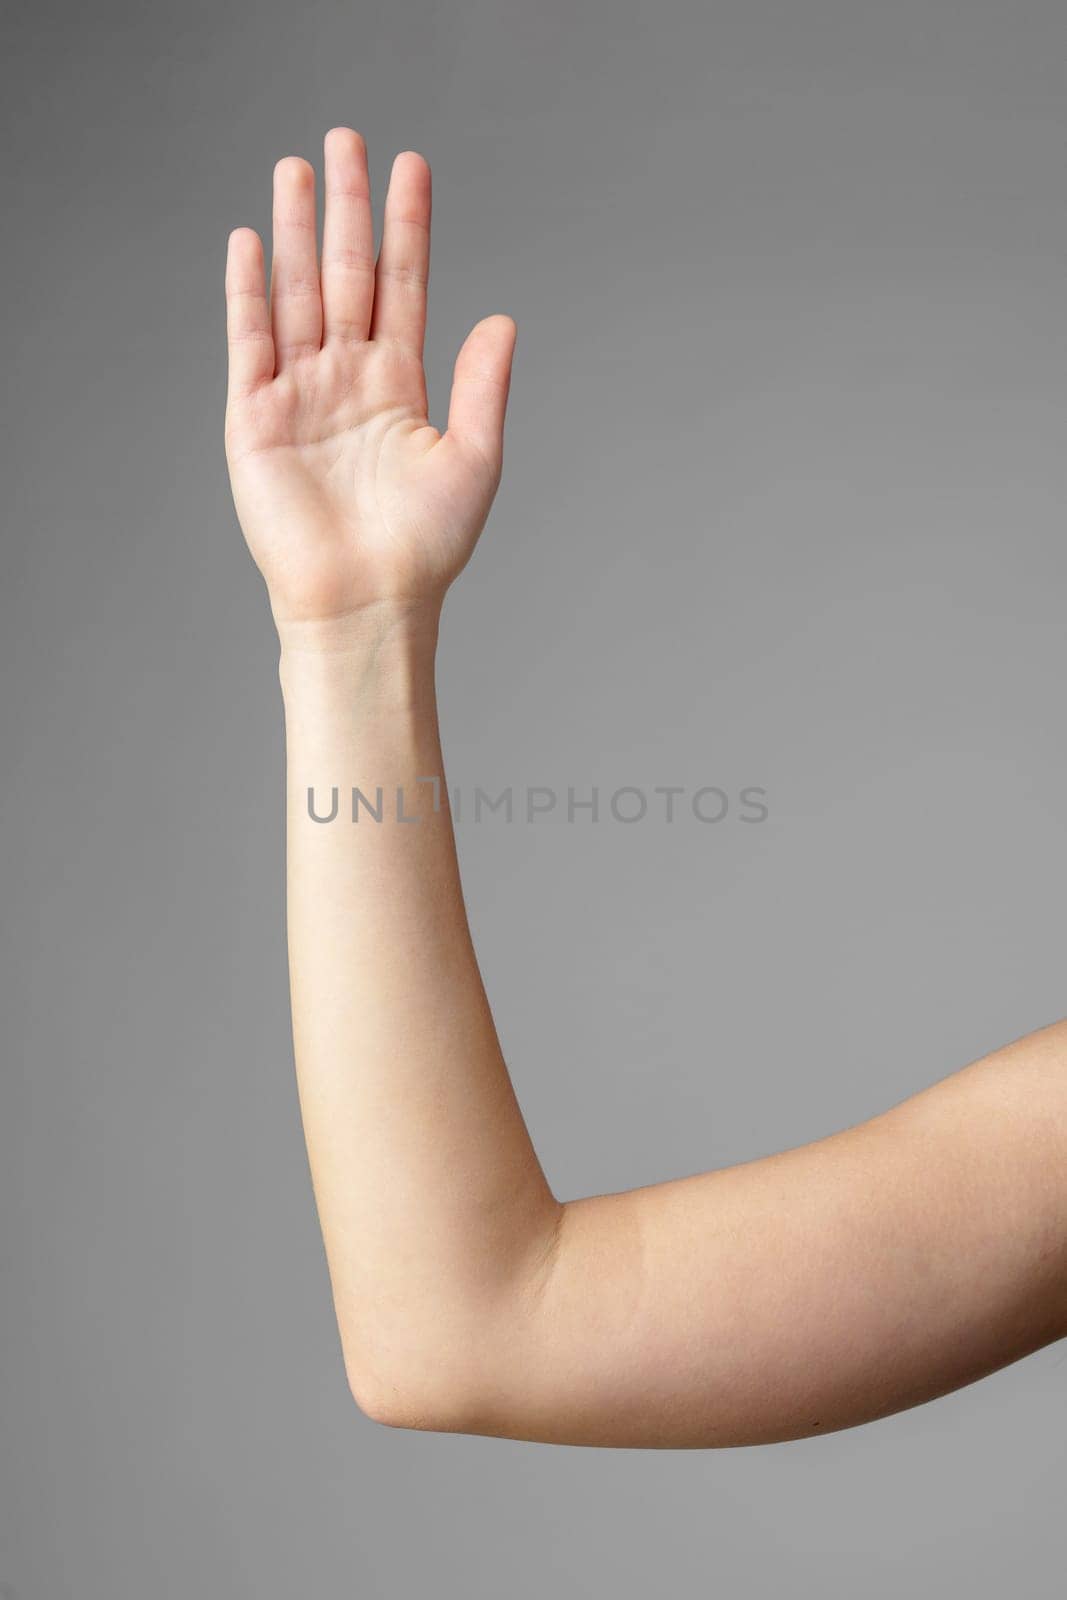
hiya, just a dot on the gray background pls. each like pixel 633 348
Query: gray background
pixel 783 505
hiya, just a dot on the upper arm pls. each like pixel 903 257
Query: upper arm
pixel 810 1290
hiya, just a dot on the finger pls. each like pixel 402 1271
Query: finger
pixel 251 348
pixel 347 239
pixel 295 296
pixel 404 258
pixel 480 389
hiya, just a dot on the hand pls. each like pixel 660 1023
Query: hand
pixel 347 496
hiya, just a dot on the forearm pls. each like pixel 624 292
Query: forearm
pixel 435 1212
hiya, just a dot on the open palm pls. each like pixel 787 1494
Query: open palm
pixel 346 493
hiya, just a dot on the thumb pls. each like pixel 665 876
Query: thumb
pixel 480 386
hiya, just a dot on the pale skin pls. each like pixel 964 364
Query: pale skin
pixel 811 1290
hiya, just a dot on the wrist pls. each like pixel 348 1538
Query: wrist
pixel 380 657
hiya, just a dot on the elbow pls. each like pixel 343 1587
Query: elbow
pixel 396 1406
pixel 450 1362
pixel 410 1397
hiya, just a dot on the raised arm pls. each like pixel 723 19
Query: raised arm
pixel 808 1291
